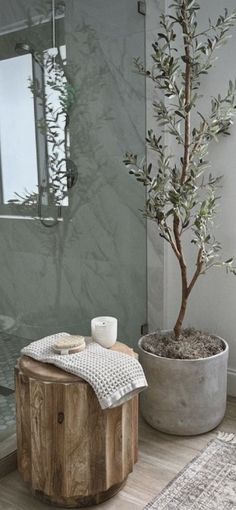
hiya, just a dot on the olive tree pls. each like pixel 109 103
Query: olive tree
pixel 182 195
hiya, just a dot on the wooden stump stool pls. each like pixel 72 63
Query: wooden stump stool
pixel 72 453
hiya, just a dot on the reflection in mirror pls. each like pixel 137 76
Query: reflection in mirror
pixel 35 116
pixel 53 98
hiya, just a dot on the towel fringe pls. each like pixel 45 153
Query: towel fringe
pixel 227 437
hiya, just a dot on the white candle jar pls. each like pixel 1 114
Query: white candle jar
pixel 104 331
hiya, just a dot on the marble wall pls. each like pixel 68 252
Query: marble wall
pixel 94 261
pixel 14 14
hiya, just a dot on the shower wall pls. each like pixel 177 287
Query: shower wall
pixel 94 261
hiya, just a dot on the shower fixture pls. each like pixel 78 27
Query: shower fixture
pixel 53 24
pixel 22 48
pixel 141 7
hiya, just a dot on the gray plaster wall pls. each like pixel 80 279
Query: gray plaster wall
pixel 212 303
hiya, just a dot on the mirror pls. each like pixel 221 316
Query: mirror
pixel 35 116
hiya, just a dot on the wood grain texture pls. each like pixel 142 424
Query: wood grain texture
pixel 161 457
pixel 135 404
pixel 70 451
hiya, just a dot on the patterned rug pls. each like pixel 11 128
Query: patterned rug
pixel 207 483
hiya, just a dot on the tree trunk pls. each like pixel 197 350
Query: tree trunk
pixel 179 322
pixel 186 289
pixel 186 160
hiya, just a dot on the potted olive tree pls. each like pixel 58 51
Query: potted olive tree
pixel 186 369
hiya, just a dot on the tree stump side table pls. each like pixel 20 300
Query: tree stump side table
pixel 70 451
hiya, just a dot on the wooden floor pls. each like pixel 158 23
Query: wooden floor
pixel 161 457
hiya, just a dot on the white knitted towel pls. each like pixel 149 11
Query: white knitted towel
pixel 114 376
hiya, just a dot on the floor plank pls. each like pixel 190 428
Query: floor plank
pixel 161 457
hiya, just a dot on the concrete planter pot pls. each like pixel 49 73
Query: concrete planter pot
pixel 184 397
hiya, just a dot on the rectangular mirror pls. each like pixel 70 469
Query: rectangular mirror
pixel 35 165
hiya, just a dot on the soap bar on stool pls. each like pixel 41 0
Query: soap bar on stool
pixel 69 344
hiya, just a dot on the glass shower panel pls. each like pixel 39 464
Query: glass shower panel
pixel 59 275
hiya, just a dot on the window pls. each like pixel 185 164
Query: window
pixel 17 128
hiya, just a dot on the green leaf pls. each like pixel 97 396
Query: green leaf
pixel 163 36
pixel 191 3
pixel 177 112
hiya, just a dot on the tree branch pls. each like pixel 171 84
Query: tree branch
pixel 173 246
pixel 199 141
pixel 181 259
pixel 197 272
pixel 187 98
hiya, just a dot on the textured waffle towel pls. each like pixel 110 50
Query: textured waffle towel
pixel 115 377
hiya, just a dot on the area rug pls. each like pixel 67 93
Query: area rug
pixel 206 483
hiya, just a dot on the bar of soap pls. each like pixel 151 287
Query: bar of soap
pixel 69 344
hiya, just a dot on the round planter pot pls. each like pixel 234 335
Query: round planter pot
pixel 184 397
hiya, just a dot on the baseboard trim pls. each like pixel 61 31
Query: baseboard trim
pixel 8 457
pixel 8 464
pixel 231 382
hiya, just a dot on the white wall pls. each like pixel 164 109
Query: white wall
pixel 212 305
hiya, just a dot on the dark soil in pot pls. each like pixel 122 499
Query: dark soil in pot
pixel 192 344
